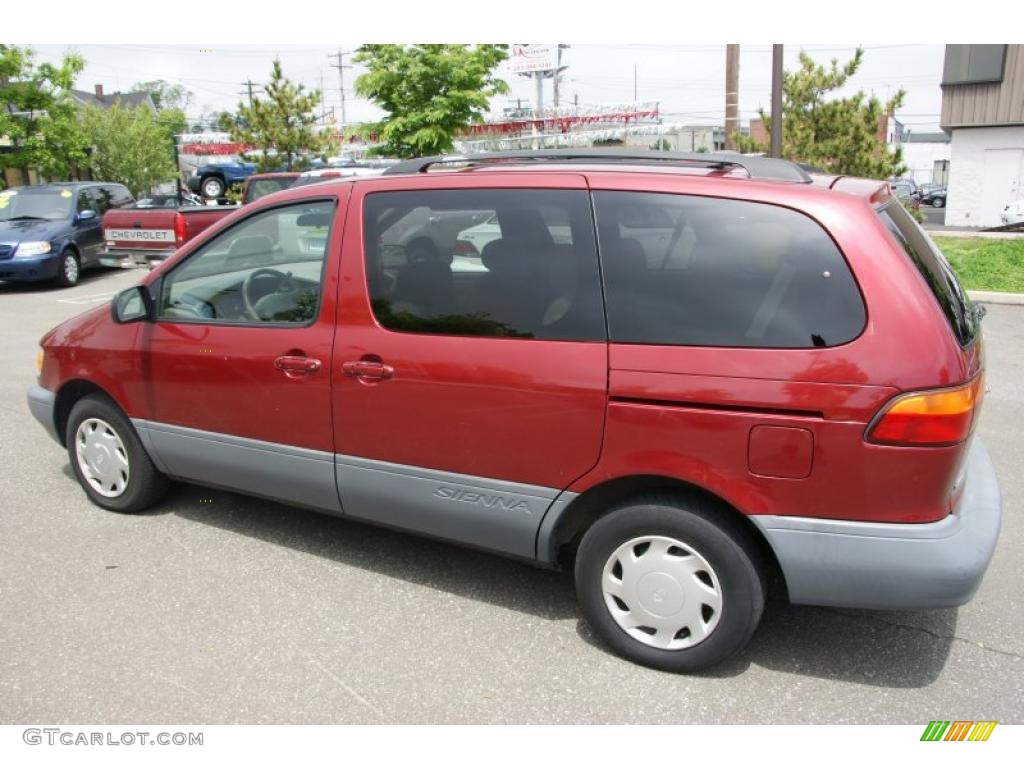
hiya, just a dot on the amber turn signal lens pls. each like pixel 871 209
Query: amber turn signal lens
pixel 942 417
pixel 39 362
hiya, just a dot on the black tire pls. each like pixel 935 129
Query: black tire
pixel 69 270
pixel 146 485
pixel 210 185
pixel 713 535
pixel 938 202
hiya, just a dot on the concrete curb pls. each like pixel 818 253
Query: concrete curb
pixel 969 235
pixel 997 297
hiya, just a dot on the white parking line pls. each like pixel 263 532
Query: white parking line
pixel 91 299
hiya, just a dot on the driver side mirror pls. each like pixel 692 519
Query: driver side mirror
pixel 83 217
pixel 132 305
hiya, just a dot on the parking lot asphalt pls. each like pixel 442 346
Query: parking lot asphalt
pixel 218 608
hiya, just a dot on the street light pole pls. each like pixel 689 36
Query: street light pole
pixel 776 138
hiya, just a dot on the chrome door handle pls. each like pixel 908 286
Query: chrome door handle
pixel 297 365
pixel 367 370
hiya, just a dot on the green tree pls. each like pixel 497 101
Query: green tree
pixel 37 116
pixel 166 95
pixel 282 125
pixel 130 146
pixel 429 92
pixel 839 135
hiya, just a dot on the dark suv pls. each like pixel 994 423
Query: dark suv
pixel 684 377
pixel 52 231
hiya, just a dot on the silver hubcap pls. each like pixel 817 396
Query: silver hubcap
pixel 102 457
pixel 212 189
pixel 662 592
pixel 70 268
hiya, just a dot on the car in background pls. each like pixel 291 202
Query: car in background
pixel 933 195
pixel 157 201
pixel 1013 213
pixel 52 231
pixel 262 184
pixel 213 181
pixel 143 238
pixel 905 189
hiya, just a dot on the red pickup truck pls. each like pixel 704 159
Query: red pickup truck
pixel 144 236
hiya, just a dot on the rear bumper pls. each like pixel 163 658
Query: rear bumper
pixel 41 405
pixel 28 270
pixel 128 258
pixel 892 566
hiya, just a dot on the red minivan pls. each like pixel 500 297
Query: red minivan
pixel 686 377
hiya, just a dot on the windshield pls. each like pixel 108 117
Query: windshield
pixel 50 204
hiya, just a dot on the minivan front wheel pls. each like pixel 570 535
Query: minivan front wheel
pixel 669 585
pixel 69 269
pixel 108 458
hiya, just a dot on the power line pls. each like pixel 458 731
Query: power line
pixel 341 66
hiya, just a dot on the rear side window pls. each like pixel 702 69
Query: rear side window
pixel 484 262
pixel 120 196
pixel 103 198
pixel 698 271
pixel 935 270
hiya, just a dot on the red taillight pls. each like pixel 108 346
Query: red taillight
pixel 179 229
pixel 939 417
pixel 465 248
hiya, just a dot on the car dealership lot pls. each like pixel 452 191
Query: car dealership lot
pixel 220 608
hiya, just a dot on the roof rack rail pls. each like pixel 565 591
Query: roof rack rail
pixel 756 166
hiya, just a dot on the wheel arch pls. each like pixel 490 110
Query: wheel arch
pixel 562 529
pixel 70 393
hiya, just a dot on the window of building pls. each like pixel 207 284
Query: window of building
pixel 965 64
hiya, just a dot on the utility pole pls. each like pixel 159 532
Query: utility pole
pixel 732 93
pixel 341 66
pixel 558 72
pixel 249 89
pixel 776 138
pixel 538 104
pixel 323 109
pixel 177 170
pixel 558 75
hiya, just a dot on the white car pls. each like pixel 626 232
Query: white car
pixel 1013 213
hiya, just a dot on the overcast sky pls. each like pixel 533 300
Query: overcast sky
pixel 687 80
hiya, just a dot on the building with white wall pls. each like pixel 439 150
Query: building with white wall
pixel 926 156
pixel 983 112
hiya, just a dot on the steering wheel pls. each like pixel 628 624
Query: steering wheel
pixel 283 284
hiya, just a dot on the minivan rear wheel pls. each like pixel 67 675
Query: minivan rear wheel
pixel 670 584
pixel 108 458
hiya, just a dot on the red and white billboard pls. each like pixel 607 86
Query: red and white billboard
pixel 533 58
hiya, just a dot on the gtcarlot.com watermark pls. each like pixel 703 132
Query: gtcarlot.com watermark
pixel 54 736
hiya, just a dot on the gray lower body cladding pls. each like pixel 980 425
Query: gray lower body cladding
pixel 491 514
pixel 286 473
pixel 41 403
pixel 825 562
pixel 892 566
